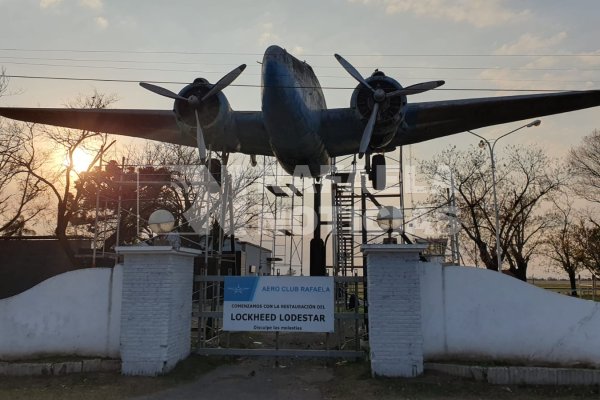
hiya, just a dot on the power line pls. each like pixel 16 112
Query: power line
pixel 258 74
pixel 418 67
pixel 289 87
pixel 304 55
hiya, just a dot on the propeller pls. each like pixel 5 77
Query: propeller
pixel 195 103
pixel 379 96
pixel 162 91
pixel 224 81
pixel 200 138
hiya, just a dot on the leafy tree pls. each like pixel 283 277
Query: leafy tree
pixel 111 195
pixel 162 176
pixel 525 179
pixel 190 190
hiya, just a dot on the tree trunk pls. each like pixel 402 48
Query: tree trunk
pixel 573 283
pixel 486 258
pixel 518 265
pixel 61 235
pixel 68 250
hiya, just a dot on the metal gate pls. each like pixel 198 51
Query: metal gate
pixel 209 338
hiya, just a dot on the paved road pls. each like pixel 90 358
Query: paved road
pixel 254 379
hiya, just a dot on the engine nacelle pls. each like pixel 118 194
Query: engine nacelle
pixel 214 113
pixel 390 110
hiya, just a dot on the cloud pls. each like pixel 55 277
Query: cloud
pixel 298 51
pixel 267 36
pixel 529 43
pixel 49 3
pixel 480 13
pixel 101 22
pixel 92 4
pixel 548 70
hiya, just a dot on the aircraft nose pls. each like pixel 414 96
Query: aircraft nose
pixel 274 51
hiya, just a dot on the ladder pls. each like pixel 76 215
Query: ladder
pixel 343 221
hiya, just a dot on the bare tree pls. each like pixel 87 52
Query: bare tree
pixel 59 177
pixel 562 243
pixel 20 194
pixel 584 162
pixel 525 180
pixel 587 236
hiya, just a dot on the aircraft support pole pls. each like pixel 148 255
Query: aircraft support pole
pixel 317 246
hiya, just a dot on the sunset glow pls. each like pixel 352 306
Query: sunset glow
pixel 81 160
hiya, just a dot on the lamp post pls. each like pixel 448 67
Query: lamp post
pixel 491 145
pixel 389 218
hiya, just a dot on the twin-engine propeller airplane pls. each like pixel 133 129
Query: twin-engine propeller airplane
pixel 296 126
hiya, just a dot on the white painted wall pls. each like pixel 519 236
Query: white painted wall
pixel 478 313
pixel 466 313
pixel 76 313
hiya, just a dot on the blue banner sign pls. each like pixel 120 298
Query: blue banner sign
pixel 278 303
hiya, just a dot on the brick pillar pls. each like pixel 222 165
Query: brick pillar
pixel 394 296
pixel 156 310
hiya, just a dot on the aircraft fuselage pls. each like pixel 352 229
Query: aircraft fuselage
pixel 292 104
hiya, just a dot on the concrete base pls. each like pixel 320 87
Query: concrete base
pixel 519 375
pixel 33 368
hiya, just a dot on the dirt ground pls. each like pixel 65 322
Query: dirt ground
pixel 260 378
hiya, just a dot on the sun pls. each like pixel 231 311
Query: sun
pixel 81 160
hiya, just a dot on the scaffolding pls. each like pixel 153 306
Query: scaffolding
pixel 282 222
pixel 354 209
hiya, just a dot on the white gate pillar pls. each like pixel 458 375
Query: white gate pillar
pixel 394 298
pixel 156 310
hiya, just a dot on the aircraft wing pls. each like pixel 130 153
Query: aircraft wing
pixel 341 129
pixel 425 121
pixel 159 125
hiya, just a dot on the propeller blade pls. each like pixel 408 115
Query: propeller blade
pixel 200 138
pixel 414 89
pixel 366 137
pixel 352 71
pixel 162 91
pixel 224 81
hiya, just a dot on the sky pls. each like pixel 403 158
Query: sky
pixel 480 48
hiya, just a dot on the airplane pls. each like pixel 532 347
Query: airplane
pixel 295 125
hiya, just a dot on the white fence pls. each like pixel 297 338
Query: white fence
pixel 75 313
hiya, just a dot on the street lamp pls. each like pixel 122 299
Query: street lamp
pixel 389 218
pixel 491 145
pixel 161 221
